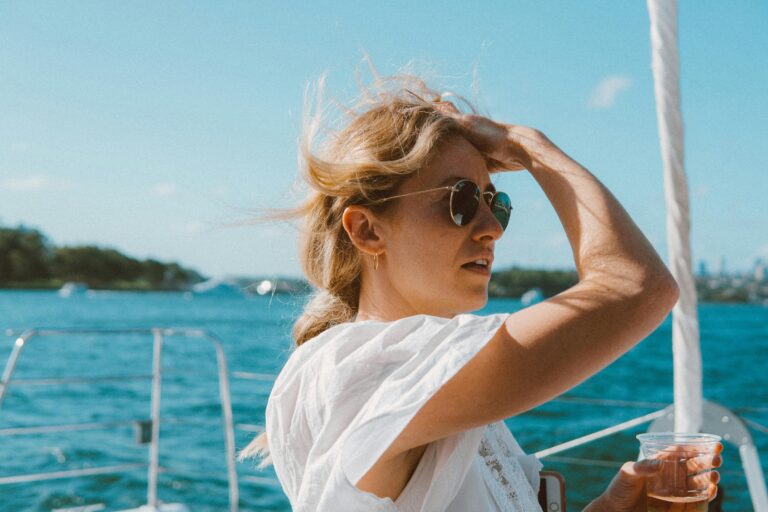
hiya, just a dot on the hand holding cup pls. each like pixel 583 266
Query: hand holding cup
pixel 686 479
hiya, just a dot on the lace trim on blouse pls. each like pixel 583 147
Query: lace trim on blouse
pixel 504 475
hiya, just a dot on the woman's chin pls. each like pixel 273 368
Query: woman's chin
pixel 476 300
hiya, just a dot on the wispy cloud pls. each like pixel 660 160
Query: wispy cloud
pixel 164 190
pixel 604 95
pixel 26 184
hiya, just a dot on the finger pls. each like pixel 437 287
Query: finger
pixel 693 458
pixel 629 483
pixel 702 478
pixel 692 449
pixel 712 493
pixel 497 166
pixel 477 129
pixel 699 482
pixel 641 468
pixel 446 107
pixel 703 462
pixel 677 450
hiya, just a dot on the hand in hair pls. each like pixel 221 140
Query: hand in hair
pixel 506 146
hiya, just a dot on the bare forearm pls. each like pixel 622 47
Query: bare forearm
pixel 596 506
pixel 606 243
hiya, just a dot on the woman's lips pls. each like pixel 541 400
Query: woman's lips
pixel 479 269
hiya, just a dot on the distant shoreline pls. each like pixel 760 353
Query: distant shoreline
pixel 28 261
pixel 11 288
pixel 54 286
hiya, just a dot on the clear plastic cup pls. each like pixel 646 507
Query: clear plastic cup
pixel 686 463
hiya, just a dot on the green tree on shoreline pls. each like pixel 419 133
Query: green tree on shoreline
pixel 29 260
pixel 515 281
pixel 25 255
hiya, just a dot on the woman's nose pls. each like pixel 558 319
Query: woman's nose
pixel 487 223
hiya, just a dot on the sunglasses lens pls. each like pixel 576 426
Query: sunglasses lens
pixel 501 206
pixel 464 202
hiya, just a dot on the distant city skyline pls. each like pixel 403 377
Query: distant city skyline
pixel 148 127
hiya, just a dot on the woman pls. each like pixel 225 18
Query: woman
pixel 395 395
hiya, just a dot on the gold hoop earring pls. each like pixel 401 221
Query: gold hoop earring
pixel 375 262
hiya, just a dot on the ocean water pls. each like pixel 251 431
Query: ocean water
pixel 255 334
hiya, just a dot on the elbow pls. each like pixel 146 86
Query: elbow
pixel 674 290
pixel 670 293
pixel 647 284
pixel 662 290
pixel 668 286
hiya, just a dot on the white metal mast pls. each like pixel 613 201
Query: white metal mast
pixel 691 412
pixel 685 321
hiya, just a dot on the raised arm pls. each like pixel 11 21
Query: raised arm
pixel 608 248
pixel 624 292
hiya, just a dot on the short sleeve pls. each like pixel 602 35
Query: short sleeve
pixel 430 351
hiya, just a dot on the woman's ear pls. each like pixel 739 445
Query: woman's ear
pixel 363 228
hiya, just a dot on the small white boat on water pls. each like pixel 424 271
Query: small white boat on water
pixel 532 296
pixel 265 287
pixel 218 287
pixel 72 288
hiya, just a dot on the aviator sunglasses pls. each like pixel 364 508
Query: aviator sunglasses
pixel 465 199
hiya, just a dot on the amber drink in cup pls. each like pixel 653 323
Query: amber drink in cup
pixel 686 462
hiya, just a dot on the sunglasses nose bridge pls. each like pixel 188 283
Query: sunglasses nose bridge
pixel 468 209
pixel 488 216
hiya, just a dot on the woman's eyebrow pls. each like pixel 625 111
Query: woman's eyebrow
pixel 451 180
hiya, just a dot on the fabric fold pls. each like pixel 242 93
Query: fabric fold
pixel 344 397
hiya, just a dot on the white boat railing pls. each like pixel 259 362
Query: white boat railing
pixel 153 425
pixel 727 423
pixel 717 420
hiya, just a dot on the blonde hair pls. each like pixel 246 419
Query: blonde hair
pixel 390 133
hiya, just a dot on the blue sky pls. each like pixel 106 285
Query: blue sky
pixel 147 126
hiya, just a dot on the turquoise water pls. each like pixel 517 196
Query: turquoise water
pixel 255 333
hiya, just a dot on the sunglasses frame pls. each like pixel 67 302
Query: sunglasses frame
pixel 453 188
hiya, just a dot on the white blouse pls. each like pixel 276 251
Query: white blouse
pixel 344 396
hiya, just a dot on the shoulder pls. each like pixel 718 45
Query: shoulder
pixel 364 353
pixel 352 345
pixel 425 325
pixel 355 357
pixel 371 350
